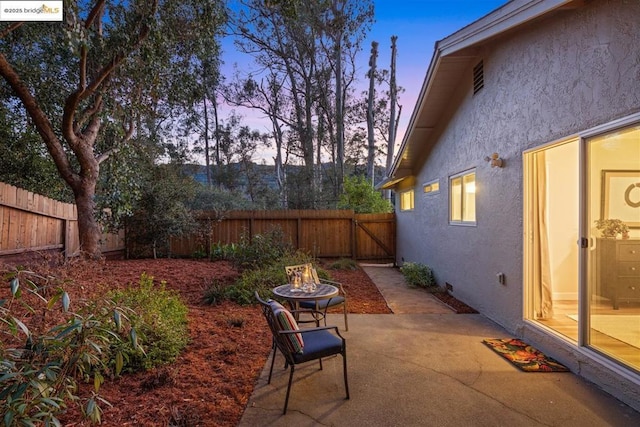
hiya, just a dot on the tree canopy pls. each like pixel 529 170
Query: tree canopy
pixel 119 87
pixel 103 79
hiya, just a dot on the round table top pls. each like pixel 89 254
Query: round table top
pixel 323 291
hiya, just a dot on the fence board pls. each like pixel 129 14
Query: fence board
pixel 31 222
pixel 322 233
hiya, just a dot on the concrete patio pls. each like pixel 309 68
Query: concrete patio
pixel 426 366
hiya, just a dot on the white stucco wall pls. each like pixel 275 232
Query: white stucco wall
pixel 568 73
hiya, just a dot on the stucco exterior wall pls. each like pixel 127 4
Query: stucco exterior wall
pixel 570 72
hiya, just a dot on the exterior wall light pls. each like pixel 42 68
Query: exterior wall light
pixel 495 160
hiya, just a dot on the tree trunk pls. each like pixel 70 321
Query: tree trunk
pixel 371 151
pixel 339 115
pixel 206 142
pixel 393 99
pixel 89 231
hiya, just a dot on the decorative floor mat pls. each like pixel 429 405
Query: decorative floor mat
pixel 523 356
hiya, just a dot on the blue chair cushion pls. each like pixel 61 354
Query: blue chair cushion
pixel 323 303
pixel 318 344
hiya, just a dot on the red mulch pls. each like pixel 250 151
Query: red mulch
pixel 212 381
pixel 454 304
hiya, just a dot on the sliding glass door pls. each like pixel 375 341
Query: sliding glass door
pixel 613 222
pixel 582 241
pixel 552 229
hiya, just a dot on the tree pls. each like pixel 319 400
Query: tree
pixel 24 162
pixel 110 62
pixel 378 110
pixel 360 196
pixel 267 97
pixel 300 49
pixel 371 149
pixel 162 211
pixel 393 100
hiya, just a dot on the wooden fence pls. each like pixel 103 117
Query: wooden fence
pixel 33 223
pixel 323 233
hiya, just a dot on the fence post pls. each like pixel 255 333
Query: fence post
pixel 354 237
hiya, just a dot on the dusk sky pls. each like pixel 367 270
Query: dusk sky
pixel 418 25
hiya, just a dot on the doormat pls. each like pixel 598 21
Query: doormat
pixel 523 356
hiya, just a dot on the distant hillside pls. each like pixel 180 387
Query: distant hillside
pixel 265 172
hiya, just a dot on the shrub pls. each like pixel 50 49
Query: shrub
pixel 261 279
pixel 261 249
pixel 220 251
pixel 344 264
pixel 39 373
pixel 418 275
pixel 360 195
pixel 160 320
pixel 216 293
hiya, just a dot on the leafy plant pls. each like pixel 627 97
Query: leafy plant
pixel 40 367
pixel 261 249
pixel 611 227
pixel 160 320
pixel 359 195
pixel 418 275
pixel 261 279
pixel 344 264
pixel 221 251
pixel 216 293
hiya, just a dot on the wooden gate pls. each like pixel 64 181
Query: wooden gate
pixel 375 237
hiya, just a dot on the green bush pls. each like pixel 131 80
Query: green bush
pixel 344 264
pixel 360 195
pixel 220 251
pixel 40 366
pixel 418 275
pixel 261 249
pixel 261 279
pixel 160 320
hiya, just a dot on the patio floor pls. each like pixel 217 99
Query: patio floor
pixel 425 365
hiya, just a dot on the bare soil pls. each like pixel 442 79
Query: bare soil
pixel 212 381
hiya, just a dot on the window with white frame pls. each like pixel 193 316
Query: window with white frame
pixel 431 187
pixel 406 200
pixel 462 198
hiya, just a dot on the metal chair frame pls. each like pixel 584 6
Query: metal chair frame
pixel 318 334
pixel 291 270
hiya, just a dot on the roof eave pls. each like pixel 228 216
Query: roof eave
pixel 507 17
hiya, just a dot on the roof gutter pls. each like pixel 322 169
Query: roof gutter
pixel 511 15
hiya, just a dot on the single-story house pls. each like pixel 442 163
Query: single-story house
pixel 524 139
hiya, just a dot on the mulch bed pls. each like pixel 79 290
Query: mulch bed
pixel 454 304
pixel 212 381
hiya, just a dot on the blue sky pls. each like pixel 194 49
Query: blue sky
pixel 418 25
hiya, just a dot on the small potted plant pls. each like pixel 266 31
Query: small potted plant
pixel 610 228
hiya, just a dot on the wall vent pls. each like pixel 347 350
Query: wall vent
pixel 478 77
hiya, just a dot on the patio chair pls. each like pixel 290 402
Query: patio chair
pixel 300 345
pixel 322 305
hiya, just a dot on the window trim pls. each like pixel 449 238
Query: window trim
pixel 461 175
pixel 413 201
pixel 431 191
